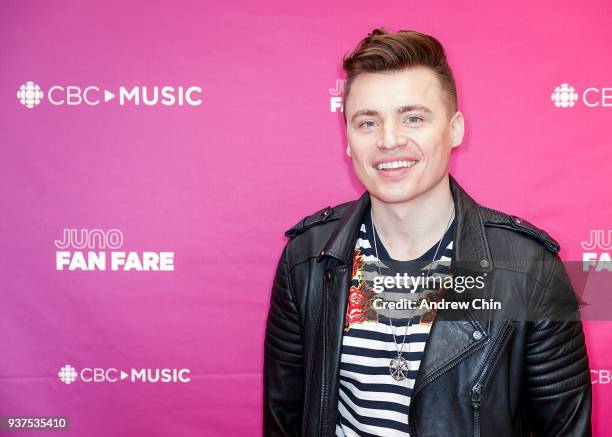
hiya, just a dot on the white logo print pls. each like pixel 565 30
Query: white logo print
pixel 67 374
pixel 564 96
pixel 29 94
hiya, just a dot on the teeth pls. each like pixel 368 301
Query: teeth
pixel 395 164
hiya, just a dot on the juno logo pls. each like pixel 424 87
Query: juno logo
pixel 336 95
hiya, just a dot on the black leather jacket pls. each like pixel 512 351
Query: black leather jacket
pixel 477 377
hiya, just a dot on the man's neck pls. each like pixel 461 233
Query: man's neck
pixel 409 229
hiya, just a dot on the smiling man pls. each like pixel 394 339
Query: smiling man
pixel 343 357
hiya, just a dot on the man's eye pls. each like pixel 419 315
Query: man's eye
pixel 414 119
pixel 365 124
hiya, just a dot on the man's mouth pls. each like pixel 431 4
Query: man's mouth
pixel 394 164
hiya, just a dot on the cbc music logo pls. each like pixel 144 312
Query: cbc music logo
pixel 336 96
pixel 565 96
pixel 601 376
pixel 105 254
pixel 68 375
pixel 31 95
pixel 598 250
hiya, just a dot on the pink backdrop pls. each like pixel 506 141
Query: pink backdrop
pixel 217 184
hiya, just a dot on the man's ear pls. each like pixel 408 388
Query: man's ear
pixel 348 150
pixel 457 129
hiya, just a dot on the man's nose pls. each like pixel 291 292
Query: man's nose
pixel 391 137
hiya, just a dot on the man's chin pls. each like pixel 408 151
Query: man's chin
pixel 393 196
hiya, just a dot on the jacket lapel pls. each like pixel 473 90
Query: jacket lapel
pixel 455 334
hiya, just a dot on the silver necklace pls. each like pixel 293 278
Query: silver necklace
pixel 398 366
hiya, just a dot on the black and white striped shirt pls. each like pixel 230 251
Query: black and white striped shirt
pixel 371 402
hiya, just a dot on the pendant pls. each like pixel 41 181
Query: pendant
pixel 398 368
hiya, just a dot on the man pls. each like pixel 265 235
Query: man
pixel 341 359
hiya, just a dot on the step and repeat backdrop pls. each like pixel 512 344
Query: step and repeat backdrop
pixel 154 152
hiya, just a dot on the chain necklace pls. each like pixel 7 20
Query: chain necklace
pixel 398 366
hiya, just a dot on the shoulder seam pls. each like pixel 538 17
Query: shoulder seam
pixel 325 215
pixel 500 219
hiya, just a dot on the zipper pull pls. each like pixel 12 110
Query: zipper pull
pixel 476 395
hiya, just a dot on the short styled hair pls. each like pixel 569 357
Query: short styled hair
pixel 383 51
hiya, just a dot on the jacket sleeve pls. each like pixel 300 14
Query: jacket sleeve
pixel 283 359
pixel 558 381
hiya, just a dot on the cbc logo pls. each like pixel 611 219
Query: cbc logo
pixel 565 96
pixel 31 95
pixel 601 376
pixel 69 374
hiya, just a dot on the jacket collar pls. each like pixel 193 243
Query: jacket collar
pixel 470 241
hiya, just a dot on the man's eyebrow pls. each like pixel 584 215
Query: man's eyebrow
pixel 420 108
pixel 406 108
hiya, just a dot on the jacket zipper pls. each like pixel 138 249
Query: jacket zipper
pixel 325 387
pixel 324 364
pixel 411 419
pixel 307 399
pixel 476 389
pixel 476 407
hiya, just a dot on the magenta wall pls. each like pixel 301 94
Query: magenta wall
pixel 218 183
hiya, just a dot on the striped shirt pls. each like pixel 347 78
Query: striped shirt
pixel 371 402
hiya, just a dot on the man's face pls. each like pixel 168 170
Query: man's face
pixel 396 119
